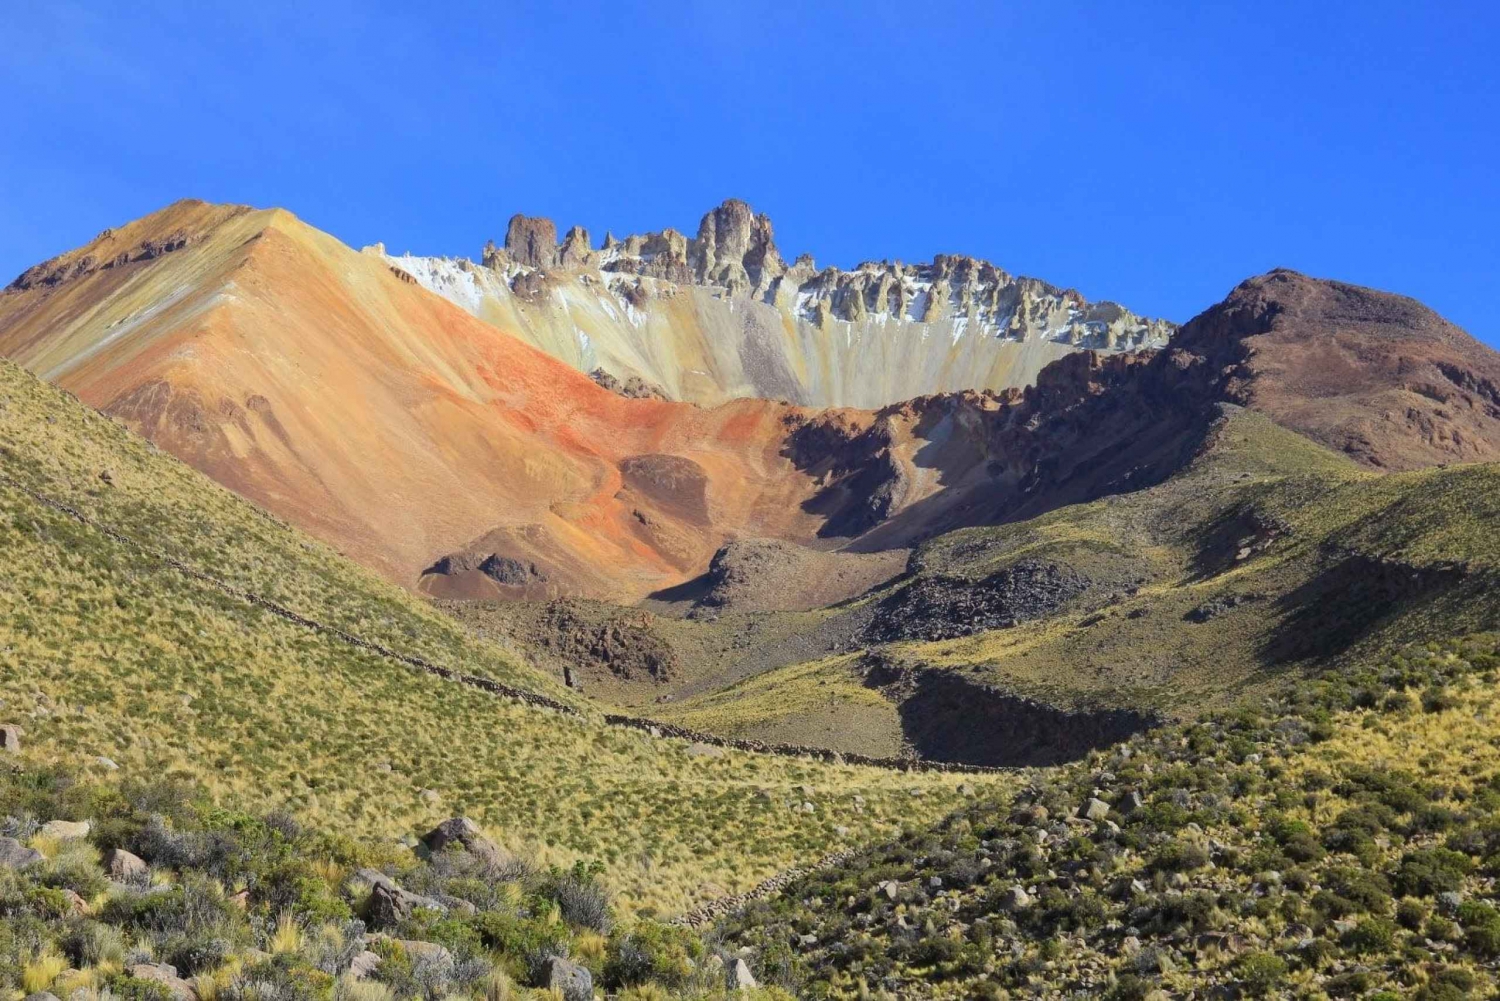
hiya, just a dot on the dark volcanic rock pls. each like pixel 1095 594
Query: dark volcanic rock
pixel 623 644
pixel 943 607
pixel 632 388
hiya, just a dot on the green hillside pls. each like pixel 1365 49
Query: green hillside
pixel 109 653
pixel 1338 840
pixel 1267 557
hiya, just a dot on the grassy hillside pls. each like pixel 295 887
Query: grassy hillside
pixel 1266 557
pixel 1338 840
pixel 107 653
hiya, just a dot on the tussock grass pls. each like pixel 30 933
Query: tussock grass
pixel 107 653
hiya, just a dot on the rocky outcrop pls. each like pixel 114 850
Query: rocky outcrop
pixel 531 241
pixel 622 644
pixel 940 607
pixel 389 904
pixel 633 387
pixel 10 739
pixel 708 317
pixel 735 249
pixel 464 833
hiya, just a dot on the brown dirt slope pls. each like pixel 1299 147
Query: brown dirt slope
pixel 1378 376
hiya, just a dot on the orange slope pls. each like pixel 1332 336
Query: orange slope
pixel 337 393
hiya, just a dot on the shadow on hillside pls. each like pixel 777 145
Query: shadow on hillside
pixel 945 717
pixel 1347 600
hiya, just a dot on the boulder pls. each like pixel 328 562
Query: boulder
pixel 166 975
pixel 569 980
pixel 465 833
pixel 389 904
pixel 1095 809
pixel 739 977
pixel 42 996
pixel 67 830
pixel 14 855
pixel 10 739
pixel 121 864
pixel 364 964
pixel 1015 899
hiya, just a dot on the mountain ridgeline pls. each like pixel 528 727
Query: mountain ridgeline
pixel 722 315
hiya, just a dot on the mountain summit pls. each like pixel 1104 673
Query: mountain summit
pixel 723 315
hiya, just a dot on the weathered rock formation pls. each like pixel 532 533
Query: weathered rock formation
pixel 722 314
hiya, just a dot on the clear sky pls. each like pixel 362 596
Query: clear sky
pixel 1155 153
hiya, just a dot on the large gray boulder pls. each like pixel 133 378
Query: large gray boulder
pixel 10 739
pixel 14 855
pixel 364 964
pixel 573 982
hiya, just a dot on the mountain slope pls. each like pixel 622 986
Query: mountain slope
pixel 1377 376
pixel 116 642
pixel 331 389
pixel 722 315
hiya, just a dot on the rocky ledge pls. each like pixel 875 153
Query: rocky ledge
pixel 735 251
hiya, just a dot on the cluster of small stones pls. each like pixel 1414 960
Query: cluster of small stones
pixel 715 909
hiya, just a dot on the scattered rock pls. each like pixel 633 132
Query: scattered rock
pixel 739 977
pixel 121 864
pixel 165 974
pixel 67 830
pixel 364 964
pixel 1216 607
pixel 1015 899
pixel 107 764
pixel 571 981
pixel 14 855
pixel 940 607
pixel 10 739
pixel 1095 809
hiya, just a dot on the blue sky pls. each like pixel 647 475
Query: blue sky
pixel 1152 153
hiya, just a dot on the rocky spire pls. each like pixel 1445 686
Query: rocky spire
pixel 576 251
pixel 735 248
pixel 532 240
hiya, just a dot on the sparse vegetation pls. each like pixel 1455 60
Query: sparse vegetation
pixel 111 657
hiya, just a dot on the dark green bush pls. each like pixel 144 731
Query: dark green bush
pixel 1432 871
pixel 1260 973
